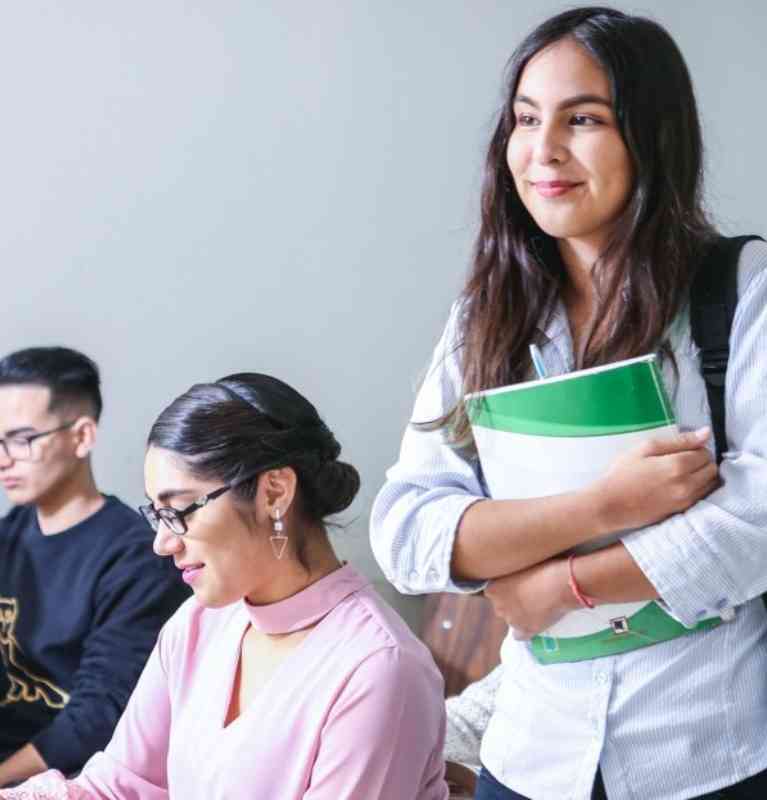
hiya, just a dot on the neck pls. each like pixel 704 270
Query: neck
pixel 294 577
pixel 69 502
pixel 579 257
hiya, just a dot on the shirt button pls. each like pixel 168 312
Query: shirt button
pixel 413 576
pixel 601 678
pixel 433 575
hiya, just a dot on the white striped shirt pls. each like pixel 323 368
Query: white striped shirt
pixel 666 722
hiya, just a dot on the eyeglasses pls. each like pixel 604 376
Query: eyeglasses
pixel 19 448
pixel 175 519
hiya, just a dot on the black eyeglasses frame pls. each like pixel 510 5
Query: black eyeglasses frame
pixel 29 438
pixel 168 515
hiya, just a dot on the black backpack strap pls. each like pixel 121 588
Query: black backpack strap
pixel 713 300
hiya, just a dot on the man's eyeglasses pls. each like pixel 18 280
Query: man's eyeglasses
pixel 19 447
pixel 174 518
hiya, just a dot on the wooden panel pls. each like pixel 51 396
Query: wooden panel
pixel 464 637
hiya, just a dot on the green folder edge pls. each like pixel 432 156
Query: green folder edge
pixel 631 398
pixel 551 650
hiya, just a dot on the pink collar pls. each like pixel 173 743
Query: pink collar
pixel 308 606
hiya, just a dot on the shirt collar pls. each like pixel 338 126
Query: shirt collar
pixel 556 325
pixel 308 606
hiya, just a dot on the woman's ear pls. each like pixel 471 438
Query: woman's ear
pixel 277 491
pixel 84 431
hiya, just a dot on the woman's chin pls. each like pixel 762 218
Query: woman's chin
pixel 210 598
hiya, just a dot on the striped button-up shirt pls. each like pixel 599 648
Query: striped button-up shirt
pixel 667 722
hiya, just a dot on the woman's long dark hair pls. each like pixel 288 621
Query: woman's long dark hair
pixel 244 424
pixel 642 277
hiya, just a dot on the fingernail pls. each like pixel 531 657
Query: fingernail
pixel 703 433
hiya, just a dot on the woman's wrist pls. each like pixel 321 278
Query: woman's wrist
pixel 567 600
pixel 599 509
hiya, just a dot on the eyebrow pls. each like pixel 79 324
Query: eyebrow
pixel 24 429
pixel 575 100
pixel 169 494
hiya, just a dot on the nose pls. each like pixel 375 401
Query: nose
pixel 550 146
pixel 166 543
pixel 5 460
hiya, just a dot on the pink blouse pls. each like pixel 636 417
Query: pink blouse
pixel 355 711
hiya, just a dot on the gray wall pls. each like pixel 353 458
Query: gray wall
pixel 194 188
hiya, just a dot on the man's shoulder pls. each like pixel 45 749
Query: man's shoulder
pixel 122 522
pixel 16 516
pixel 115 533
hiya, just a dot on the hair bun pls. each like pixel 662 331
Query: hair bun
pixel 330 448
pixel 334 488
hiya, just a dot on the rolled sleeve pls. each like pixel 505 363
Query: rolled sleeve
pixel 714 556
pixel 416 514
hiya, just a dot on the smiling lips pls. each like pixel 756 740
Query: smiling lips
pixel 554 188
pixel 190 571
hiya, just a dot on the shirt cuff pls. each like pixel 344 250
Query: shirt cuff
pixel 678 564
pixel 429 571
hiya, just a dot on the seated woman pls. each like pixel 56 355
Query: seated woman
pixel 468 715
pixel 284 676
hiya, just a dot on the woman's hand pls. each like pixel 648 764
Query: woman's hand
pixel 659 478
pixel 532 600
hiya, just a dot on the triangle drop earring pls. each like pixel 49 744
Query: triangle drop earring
pixel 278 539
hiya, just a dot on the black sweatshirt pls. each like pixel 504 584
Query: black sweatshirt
pixel 79 614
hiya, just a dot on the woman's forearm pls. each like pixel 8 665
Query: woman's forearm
pixel 645 485
pixel 21 765
pixel 501 537
pixel 612 576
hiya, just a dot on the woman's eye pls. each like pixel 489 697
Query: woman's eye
pixel 526 120
pixel 584 119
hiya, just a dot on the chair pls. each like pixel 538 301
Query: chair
pixel 464 637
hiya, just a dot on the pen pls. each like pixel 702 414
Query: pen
pixel 537 358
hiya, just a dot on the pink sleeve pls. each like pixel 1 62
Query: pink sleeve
pixel 134 763
pixel 384 735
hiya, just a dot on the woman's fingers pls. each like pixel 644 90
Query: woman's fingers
pixel 689 440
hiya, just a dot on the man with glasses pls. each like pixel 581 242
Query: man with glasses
pixel 82 596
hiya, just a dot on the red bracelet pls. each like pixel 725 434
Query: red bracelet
pixel 583 599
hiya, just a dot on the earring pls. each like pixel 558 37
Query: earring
pixel 278 539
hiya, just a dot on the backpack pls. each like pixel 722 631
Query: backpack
pixel 713 300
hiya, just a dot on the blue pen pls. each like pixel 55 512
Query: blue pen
pixel 537 358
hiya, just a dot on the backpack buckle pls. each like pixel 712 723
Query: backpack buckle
pixel 714 366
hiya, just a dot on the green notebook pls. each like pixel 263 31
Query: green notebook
pixel 557 435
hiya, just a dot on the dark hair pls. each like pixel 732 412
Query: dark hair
pixel 72 377
pixel 241 425
pixel 642 277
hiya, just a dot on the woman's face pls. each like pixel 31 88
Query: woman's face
pixel 223 557
pixel 568 160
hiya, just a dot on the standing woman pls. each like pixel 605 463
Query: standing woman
pixel 592 229
pixel 285 677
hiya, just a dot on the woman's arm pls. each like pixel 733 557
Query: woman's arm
pixel 133 763
pixel 657 479
pixel 713 556
pixel 532 600
pixel 430 533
